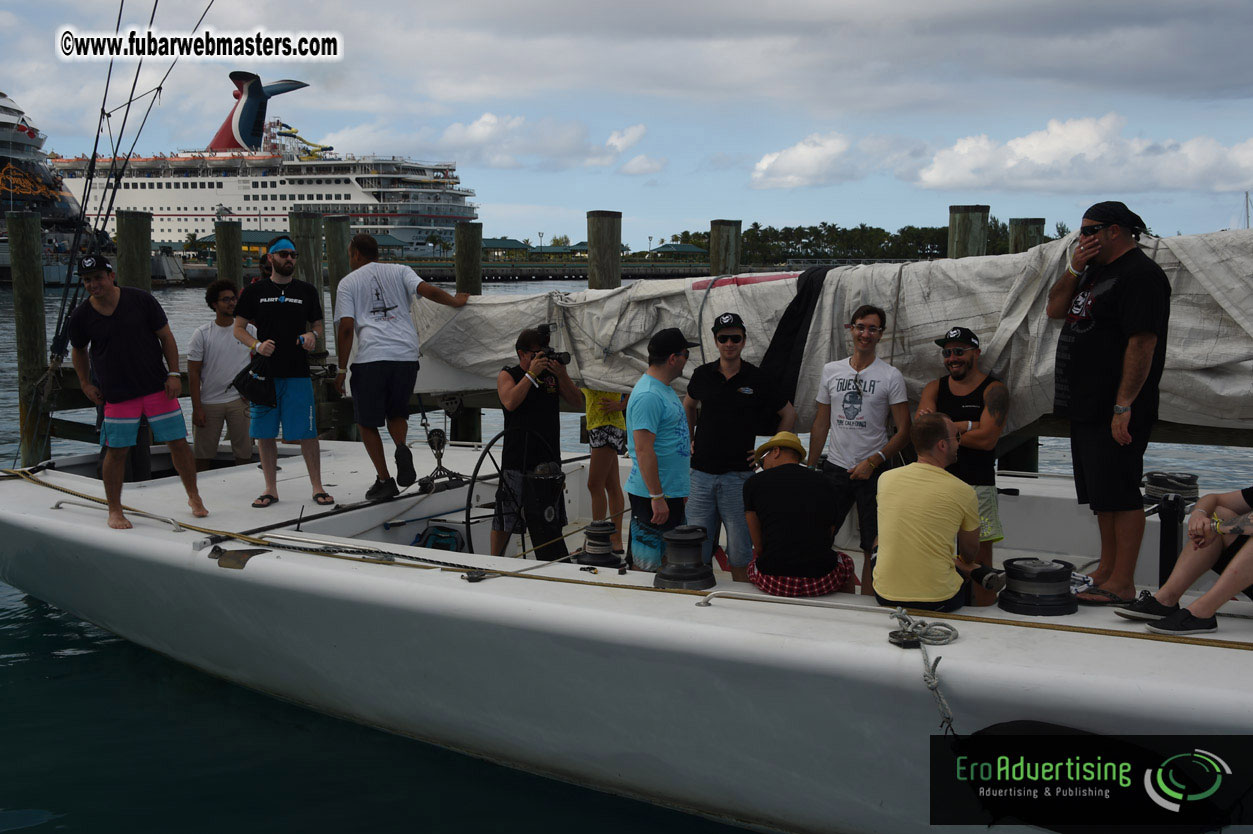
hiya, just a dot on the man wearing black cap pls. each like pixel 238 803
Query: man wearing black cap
pixel 1116 305
pixel 978 404
pixel 660 446
pixel 727 402
pixel 135 358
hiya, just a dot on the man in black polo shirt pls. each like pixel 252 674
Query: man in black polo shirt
pixel 529 394
pixel 727 402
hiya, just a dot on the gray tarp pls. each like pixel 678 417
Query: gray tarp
pixel 1209 360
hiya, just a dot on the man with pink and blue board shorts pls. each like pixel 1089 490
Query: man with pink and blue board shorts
pixel 124 333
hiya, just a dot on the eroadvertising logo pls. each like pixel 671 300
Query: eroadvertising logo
pixel 1187 777
pixel 1047 775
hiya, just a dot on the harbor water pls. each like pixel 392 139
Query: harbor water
pixel 100 735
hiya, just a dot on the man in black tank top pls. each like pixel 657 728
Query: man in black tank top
pixel 978 404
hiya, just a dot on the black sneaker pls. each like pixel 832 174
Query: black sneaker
pixel 382 490
pixel 405 476
pixel 1182 622
pixel 992 580
pixel 1146 608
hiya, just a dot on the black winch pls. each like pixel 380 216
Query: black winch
pixel 682 565
pixel 1038 587
pixel 597 547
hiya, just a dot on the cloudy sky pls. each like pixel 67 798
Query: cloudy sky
pixel 792 112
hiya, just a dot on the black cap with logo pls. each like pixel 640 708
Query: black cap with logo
pixel 94 263
pixel 959 334
pixel 728 320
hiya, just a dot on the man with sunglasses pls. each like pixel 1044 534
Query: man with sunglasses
pixel 1115 303
pixel 286 313
pixel 214 358
pixel 855 397
pixel 660 446
pixel 727 402
pixel 978 404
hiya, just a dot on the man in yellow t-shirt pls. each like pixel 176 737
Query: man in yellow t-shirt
pixel 922 509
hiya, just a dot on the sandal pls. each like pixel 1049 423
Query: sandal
pixel 322 499
pixel 265 500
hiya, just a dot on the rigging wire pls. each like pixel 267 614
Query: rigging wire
pixel 49 380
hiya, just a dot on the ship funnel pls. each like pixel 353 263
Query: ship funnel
pixel 242 129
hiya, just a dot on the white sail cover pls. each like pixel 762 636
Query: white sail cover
pixel 1209 360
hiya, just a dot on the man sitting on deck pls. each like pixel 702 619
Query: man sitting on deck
pixel 792 521
pixel 922 507
pixel 1218 532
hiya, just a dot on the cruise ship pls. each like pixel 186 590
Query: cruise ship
pixel 26 183
pixel 257 170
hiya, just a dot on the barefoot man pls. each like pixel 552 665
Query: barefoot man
pixel 133 354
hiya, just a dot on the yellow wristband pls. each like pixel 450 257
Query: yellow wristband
pixel 256 344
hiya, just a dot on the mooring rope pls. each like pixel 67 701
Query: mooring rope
pixel 930 634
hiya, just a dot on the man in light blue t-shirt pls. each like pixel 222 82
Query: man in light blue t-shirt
pixel 660 446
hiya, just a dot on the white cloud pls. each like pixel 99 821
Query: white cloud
pixel 1088 155
pixel 818 159
pixel 642 166
pixel 622 140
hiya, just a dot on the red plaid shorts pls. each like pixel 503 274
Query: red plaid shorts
pixel 803 586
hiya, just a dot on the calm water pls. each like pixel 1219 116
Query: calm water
pixel 102 736
pixel 98 735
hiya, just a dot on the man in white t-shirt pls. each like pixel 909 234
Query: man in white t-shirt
pixel 372 307
pixel 214 358
pixel 854 399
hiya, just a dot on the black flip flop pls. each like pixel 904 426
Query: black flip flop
pixel 322 499
pixel 1107 598
pixel 265 500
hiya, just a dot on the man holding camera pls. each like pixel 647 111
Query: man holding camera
pixel 529 393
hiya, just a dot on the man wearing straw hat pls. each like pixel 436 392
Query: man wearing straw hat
pixel 791 516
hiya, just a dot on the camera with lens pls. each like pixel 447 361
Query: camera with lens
pixel 560 356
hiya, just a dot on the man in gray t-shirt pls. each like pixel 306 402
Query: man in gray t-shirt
pixel 372 307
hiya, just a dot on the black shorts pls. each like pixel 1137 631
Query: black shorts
pixel 1229 552
pixel 381 391
pixel 957 600
pixel 1107 475
pixel 863 494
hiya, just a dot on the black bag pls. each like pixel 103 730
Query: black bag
pixel 253 386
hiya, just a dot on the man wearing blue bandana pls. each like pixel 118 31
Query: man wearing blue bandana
pixel 286 313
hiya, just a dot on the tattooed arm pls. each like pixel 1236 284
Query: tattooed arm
pixel 992 422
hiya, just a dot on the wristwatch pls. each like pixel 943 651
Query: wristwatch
pixel 1121 409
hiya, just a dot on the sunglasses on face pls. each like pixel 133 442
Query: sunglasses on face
pixel 864 328
pixel 733 338
pixel 227 298
pixel 682 353
pixel 285 253
pixel 959 352
pixel 1088 231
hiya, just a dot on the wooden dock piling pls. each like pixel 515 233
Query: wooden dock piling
pixel 338 236
pixel 467 423
pixel 32 345
pixel 228 245
pixel 1024 233
pixel 967 231
pixel 725 241
pixel 306 233
pixel 134 250
pixel 604 250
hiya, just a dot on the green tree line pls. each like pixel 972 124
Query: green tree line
pixel 830 241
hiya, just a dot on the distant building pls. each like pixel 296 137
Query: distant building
pixel 503 248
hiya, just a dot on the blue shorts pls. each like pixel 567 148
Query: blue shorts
pixel 294 411
pixel 121 420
